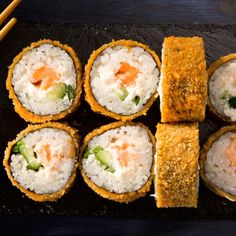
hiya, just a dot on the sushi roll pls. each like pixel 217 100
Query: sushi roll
pixel 183 82
pixel 218 162
pixel 121 79
pixel 176 165
pixel 116 161
pixel 42 161
pixel 222 88
pixel 45 81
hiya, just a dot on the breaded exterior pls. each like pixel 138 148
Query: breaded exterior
pixel 203 155
pixel 211 71
pixel 95 106
pixel 43 197
pixel 176 168
pixel 28 115
pixel 184 80
pixel 118 197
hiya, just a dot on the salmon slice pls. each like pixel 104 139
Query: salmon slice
pixel 44 154
pixel 44 77
pixel 123 155
pixel 127 74
pixel 230 151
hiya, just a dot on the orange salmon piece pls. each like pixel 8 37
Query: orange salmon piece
pixel 230 151
pixel 44 77
pixel 127 74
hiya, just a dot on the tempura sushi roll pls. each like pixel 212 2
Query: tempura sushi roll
pixel 117 161
pixel 42 161
pixel 176 165
pixel 183 82
pixel 45 81
pixel 218 162
pixel 222 88
pixel 121 79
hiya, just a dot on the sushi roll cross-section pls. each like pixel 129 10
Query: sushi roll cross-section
pixel 183 83
pixel 222 88
pixel 121 79
pixel 42 160
pixel 176 165
pixel 45 81
pixel 117 161
pixel 218 162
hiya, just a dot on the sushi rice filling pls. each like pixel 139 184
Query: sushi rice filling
pixel 43 160
pixel 123 79
pixel 44 80
pixel 120 159
pixel 220 164
pixel 222 90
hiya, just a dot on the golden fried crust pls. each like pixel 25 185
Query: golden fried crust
pixel 118 197
pixel 28 115
pixel 211 71
pixel 176 181
pixel 43 197
pixel 184 84
pixel 203 155
pixel 95 106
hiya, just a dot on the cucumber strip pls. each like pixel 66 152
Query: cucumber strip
pixel 232 102
pixel 28 154
pixel 30 157
pixel 58 91
pixel 136 100
pixel 70 92
pixel 121 93
pixel 16 147
pixel 104 157
pixel 87 153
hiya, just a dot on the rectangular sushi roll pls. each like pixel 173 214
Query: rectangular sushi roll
pixel 176 180
pixel 183 84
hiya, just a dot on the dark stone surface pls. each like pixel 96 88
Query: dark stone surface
pixel 22 216
pixel 81 201
pixel 126 11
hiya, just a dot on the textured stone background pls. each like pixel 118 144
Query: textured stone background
pixel 81 201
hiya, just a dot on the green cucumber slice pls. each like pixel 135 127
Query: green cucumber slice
pixel 121 93
pixel 104 157
pixel 58 91
pixel 87 153
pixel 28 154
pixel 136 100
pixel 30 157
pixel 232 102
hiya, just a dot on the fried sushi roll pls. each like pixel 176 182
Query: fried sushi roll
pixel 45 81
pixel 121 79
pixel 183 83
pixel 117 161
pixel 218 162
pixel 42 161
pixel 176 168
pixel 222 88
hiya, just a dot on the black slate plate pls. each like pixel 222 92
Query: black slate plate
pixel 81 201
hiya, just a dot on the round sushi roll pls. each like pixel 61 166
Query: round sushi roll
pixel 222 88
pixel 42 160
pixel 218 162
pixel 121 79
pixel 116 161
pixel 45 81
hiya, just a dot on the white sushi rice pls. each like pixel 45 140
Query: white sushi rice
pixel 103 81
pixel 47 179
pixel 125 178
pixel 33 98
pixel 218 168
pixel 222 85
